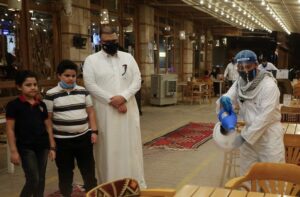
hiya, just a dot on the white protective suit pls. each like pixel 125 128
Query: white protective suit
pixel 263 131
pixel 118 152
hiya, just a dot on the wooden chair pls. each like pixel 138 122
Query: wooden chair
pixel 275 178
pixel 231 164
pixel 127 187
pixel 194 92
pixel 296 92
pixel 292 150
pixel 290 114
pixel 208 89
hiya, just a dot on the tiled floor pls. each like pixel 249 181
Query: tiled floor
pixel 163 168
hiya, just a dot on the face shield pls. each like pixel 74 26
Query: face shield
pixel 246 63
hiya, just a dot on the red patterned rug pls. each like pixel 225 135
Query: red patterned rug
pixel 190 136
pixel 78 191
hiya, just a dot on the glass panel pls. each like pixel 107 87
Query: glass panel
pixel 94 31
pixel 97 2
pixel 111 5
pixel 196 63
pixel 162 54
pixel 41 39
pixel 9 42
pixel 114 21
pixel 166 50
pixel 171 65
pixel 128 32
pixel 129 9
pixel 127 23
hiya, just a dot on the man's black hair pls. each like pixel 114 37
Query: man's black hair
pixel 22 75
pixel 64 65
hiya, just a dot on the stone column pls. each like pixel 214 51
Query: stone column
pixel 76 24
pixel 146 53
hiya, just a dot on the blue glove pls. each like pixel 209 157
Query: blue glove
pixel 228 121
pixel 225 102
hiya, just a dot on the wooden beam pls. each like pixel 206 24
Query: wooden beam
pixel 24 42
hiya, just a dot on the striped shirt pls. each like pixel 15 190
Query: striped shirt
pixel 70 118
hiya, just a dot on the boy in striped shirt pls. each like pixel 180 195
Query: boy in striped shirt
pixel 74 127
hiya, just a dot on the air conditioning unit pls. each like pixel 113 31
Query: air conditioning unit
pixel 163 89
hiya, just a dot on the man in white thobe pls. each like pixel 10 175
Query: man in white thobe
pixel 268 66
pixel 112 77
pixel 231 72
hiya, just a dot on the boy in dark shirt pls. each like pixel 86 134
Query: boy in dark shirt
pixel 29 134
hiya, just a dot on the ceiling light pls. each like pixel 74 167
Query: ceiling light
pixel 104 17
pixel 182 35
pixel 234 17
pixel 278 19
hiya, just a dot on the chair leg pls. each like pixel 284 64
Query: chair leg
pixel 229 163
pixel 225 161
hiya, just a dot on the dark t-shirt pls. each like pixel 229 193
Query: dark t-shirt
pixel 30 128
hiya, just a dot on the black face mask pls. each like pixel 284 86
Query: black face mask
pixel 248 77
pixel 110 48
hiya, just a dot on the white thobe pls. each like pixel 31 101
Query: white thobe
pixel 118 153
pixel 269 67
pixel 232 72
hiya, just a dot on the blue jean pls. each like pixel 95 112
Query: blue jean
pixel 34 163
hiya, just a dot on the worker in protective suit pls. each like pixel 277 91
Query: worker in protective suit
pixel 257 95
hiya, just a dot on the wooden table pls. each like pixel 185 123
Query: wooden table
pixel 291 130
pixel 181 85
pixel 187 88
pixel 201 191
pixel 220 82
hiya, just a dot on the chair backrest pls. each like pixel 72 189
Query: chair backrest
pixel 296 91
pixel 292 150
pixel 126 187
pixel 290 114
pixel 275 178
